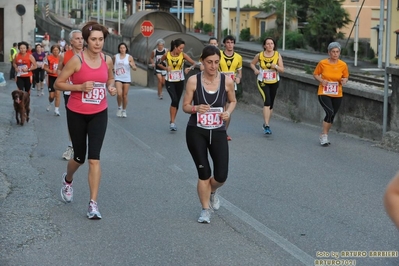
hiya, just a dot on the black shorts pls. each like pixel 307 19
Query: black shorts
pixel 199 142
pixel 24 83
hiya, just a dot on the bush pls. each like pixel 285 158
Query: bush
pixel 270 33
pixel 293 40
pixel 207 28
pixel 245 34
pixel 198 25
pixel 370 53
pixel 225 33
pixel 374 61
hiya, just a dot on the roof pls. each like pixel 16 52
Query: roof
pixel 263 14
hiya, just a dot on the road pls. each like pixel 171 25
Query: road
pixel 287 201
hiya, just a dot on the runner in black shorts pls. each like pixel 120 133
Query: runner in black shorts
pixel 205 99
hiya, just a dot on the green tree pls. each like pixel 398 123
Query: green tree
pixel 302 9
pixel 325 18
pixel 277 6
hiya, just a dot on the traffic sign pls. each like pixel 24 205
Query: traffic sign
pixel 147 28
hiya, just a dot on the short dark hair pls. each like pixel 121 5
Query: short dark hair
pixel 23 43
pixel 229 37
pixel 209 50
pixel 93 26
pixel 55 46
pixel 119 46
pixel 269 38
pixel 212 38
pixel 14 44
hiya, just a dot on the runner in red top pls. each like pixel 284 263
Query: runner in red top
pixel 24 63
pixel 87 114
pixel 51 67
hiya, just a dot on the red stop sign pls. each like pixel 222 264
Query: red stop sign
pixel 147 28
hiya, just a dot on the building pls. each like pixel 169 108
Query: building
pixel 17 23
pixel 393 33
pixel 353 8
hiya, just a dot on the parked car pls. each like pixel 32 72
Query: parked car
pixel 38 39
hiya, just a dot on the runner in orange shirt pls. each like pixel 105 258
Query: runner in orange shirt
pixel 332 73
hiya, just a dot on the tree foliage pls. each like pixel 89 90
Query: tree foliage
pixel 325 18
pixel 278 7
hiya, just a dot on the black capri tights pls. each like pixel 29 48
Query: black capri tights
pixel 330 106
pixel 199 141
pixel 268 92
pixel 175 90
pixel 87 128
pixel 38 74
pixel 24 83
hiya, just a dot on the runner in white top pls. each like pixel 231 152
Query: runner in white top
pixel 122 64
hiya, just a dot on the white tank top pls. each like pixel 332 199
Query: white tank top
pixel 122 68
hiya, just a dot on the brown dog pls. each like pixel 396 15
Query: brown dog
pixel 21 106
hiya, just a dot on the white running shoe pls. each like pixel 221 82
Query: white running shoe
pixel 66 190
pixel 57 113
pixel 48 107
pixel 119 113
pixel 124 113
pixel 92 212
pixel 214 201
pixel 68 154
pixel 172 127
pixel 205 216
pixel 324 140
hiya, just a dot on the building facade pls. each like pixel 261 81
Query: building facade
pixel 17 23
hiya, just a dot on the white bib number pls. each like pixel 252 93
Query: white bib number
pixel 230 74
pixel 175 75
pixel 120 71
pixel 210 119
pixel 21 69
pixel 39 64
pixel 96 95
pixel 331 88
pixel 269 75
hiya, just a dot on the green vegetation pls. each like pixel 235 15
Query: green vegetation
pixel 207 28
pixel 245 34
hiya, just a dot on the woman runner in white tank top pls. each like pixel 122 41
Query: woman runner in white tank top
pixel 122 64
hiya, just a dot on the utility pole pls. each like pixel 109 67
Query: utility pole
pixel 380 33
pixel 219 31
pixel 238 22
pixel 216 27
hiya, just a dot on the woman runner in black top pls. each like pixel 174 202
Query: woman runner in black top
pixel 205 99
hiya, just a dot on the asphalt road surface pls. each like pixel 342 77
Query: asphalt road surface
pixel 287 200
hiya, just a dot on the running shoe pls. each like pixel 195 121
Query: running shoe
pixel 160 97
pixel 57 113
pixel 68 154
pixel 172 127
pixel 66 190
pixel 324 140
pixel 92 212
pixel 48 107
pixel 266 130
pixel 124 113
pixel 214 201
pixel 119 113
pixel 205 216
pixel 42 92
pixel 228 138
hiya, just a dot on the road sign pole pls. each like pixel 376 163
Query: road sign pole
pixel 148 75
